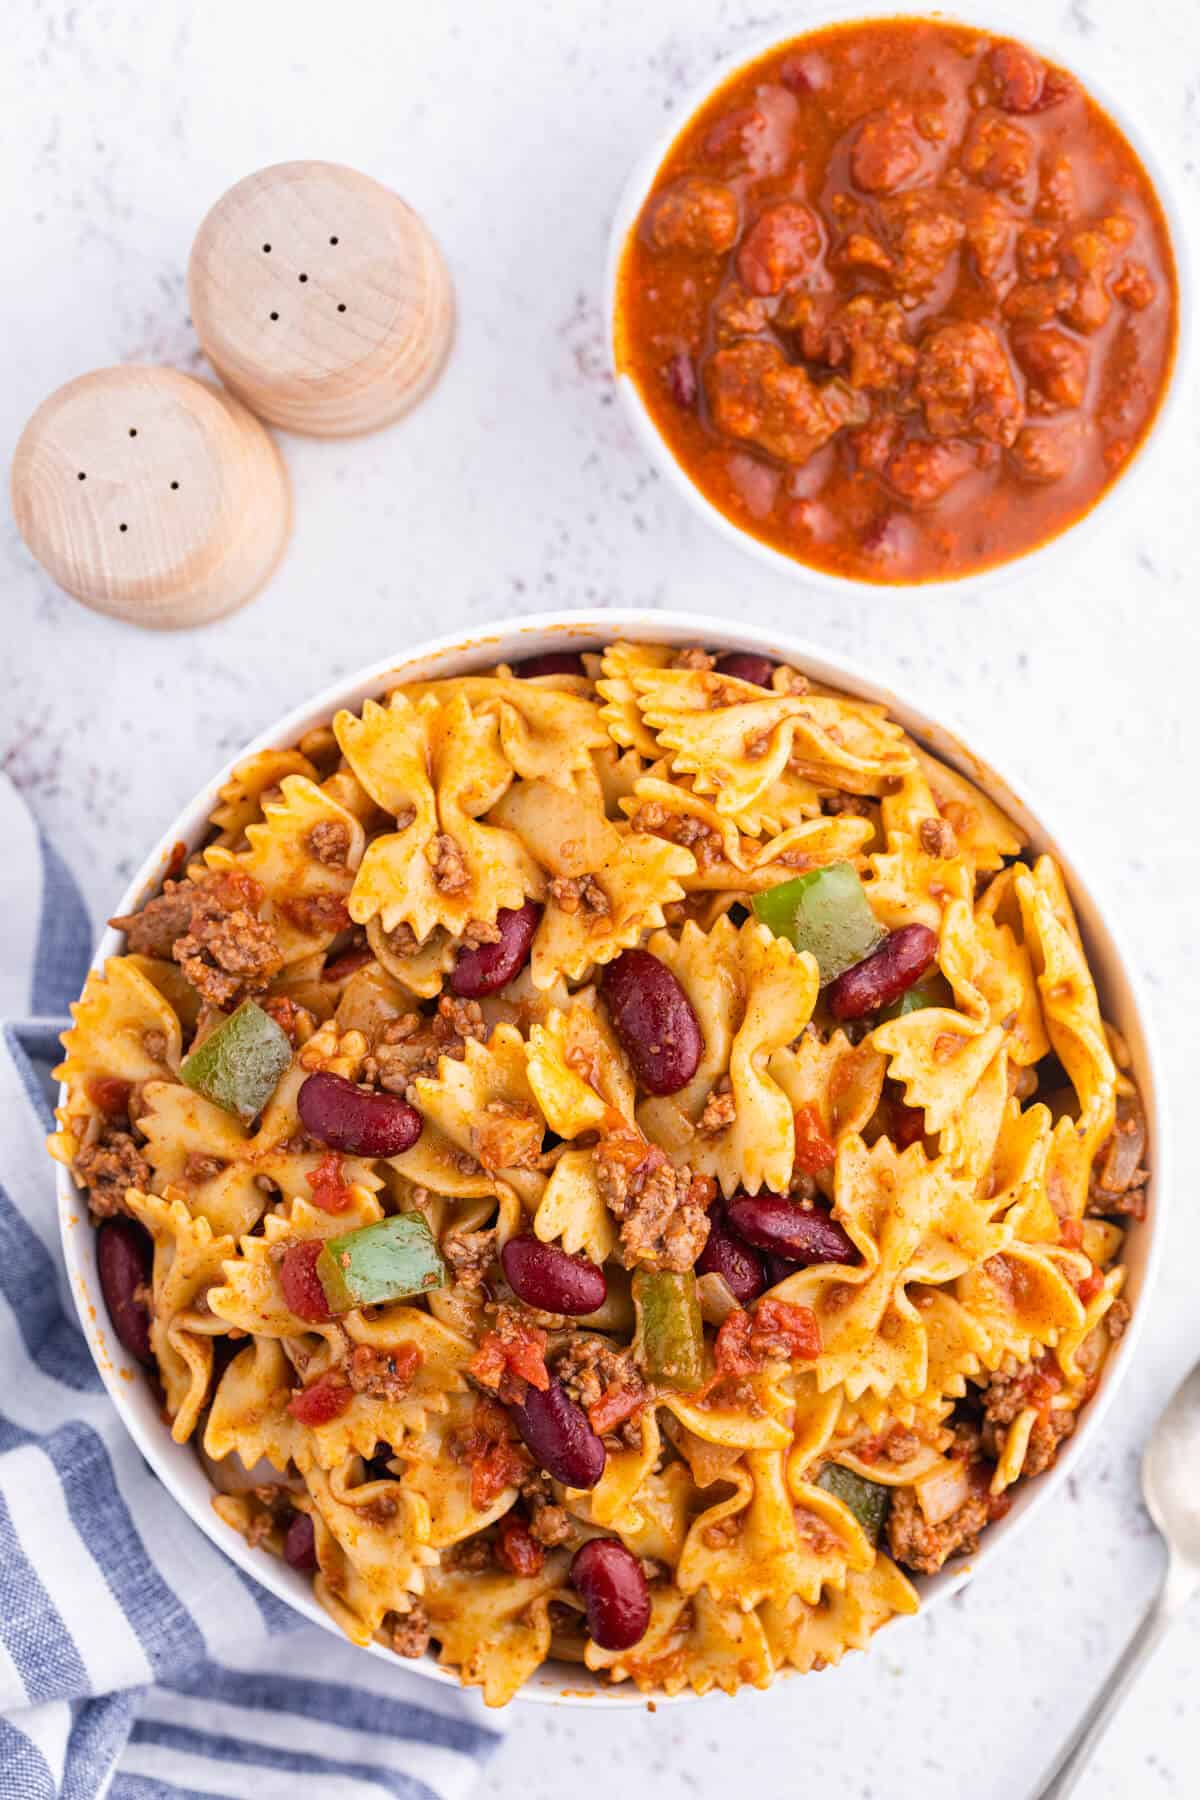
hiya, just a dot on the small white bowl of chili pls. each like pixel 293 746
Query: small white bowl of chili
pixel 900 302
pixel 512 640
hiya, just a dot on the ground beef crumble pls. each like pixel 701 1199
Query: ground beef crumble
pixel 507 1135
pixel 1008 1395
pixel 473 1554
pixel 108 1166
pixel 477 932
pixel 720 1109
pixel 549 1523
pixel 329 841
pixel 154 930
pixel 469 1254
pixel 1117 1184
pixel 402 940
pixel 923 1547
pixel 383 1374
pixel 662 1209
pixel 936 838
pixel 450 874
pixel 212 931
pixel 1117 1318
pixel 199 1167
pixel 580 893
pixel 413 1044
pixel 409 1633
pixel 588 1366
pixel 680 828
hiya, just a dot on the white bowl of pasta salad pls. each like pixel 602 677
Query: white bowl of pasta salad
pixel 609 1158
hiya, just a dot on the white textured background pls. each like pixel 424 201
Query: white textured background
pixel 510 124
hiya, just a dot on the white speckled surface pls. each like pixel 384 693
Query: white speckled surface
pixel 511 127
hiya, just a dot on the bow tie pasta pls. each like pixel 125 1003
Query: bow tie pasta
pixel 609 1161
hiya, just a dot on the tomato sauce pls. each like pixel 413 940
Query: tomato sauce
pixel 901 300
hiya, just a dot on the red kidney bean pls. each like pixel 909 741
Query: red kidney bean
pixel 489 966
pixel 654 1020
pixel 557 1434
pixel 613 1587
pixel 125 1258
pixel 301 1284
pixel 728 1255
pixel 681 380
pixel 802 1234
pixel 553 662
pixel 779 1268
pixel 543 1275
pixel 882 977
pixel 300 1544
pixel 743 666
pixel 348 1118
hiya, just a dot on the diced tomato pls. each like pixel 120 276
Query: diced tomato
pixel 235 888
pixel 778 1322
pixel 776 1331
pixel 1044 1383
pixel 517 1548
pixel 702 1191
pixel 497 1460
pixel 316 912
pixel 615 1405
pixel 1090 1286
pixel 514 1350
pixel 329 1191
pixel 328 1396
pixel 815 1151
pixel 110 1095
pixel 870 1449
pixel 731 1352
pixel 1070 1233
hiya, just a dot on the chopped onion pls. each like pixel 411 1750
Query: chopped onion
pixel 716 1301
pixel 943 1490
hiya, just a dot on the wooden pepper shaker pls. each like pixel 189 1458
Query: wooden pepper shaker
pixel 151 496
pixel 320 298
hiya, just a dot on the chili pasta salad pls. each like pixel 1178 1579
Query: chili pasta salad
pixel 616 1159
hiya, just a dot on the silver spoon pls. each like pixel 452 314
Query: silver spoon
pixel 1171 1487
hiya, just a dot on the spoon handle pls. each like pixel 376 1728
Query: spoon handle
pixel 1174 1591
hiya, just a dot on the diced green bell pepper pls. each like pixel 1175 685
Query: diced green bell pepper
pixel 380 1262
pixel 867 1500
pixel 669 1342
pixel 238 1065
pixel 825 912
pixel 933 990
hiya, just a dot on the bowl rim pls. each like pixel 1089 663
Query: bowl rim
pixel 177 1465
pixel 1092 66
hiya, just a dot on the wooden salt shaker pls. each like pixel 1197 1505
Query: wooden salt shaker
pixel 321 299
pixel 151 496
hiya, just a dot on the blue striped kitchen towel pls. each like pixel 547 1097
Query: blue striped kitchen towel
pixel 136 1661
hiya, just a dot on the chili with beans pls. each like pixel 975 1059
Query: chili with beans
pixel 901 300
